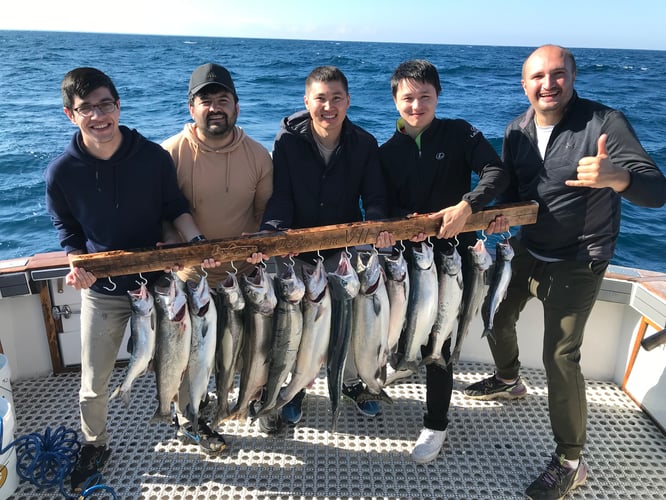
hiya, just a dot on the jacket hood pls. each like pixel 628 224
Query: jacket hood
pixel 300 124
pixel 130 145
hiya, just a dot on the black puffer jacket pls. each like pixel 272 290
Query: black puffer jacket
pixel 308 193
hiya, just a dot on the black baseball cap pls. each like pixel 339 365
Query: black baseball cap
pixel 210 73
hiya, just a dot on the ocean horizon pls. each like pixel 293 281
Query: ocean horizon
pixel 481 84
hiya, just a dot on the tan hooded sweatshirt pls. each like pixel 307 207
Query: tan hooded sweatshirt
pixel 227 188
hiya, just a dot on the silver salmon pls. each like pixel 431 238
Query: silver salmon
pixel 344 286
pixel 287 332
pixel 369 340
pixel 203 315
pixel 174 332
pixel 397 288
pixel 422 307
pixel 230 333
pixel 473 294
pixel 316 333
pixel 499 284
pixel 142 340
pixel 260 302
pixel 449 301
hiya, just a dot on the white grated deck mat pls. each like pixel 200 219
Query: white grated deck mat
pixel 493 450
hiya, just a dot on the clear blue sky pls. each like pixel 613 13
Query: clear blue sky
pixel 625 24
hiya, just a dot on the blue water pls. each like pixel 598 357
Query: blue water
pixel 480 84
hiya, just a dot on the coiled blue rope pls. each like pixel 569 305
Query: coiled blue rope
pixel 46 461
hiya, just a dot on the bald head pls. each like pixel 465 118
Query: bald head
pixel 551 51
pixel 548 80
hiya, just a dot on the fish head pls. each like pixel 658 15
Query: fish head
pixel 231 292
pixel 371 272
pixel 171 297
pixel 396 267
pixel 198 296
pixel 315 281
pixel 505 250
pixel 344 281
pixel 258 290
pixel 451 261
pixel 289 286
pixel 141 301
pixel 480 256
pixel 423 255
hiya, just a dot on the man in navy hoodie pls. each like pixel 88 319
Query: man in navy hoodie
pixel 109 190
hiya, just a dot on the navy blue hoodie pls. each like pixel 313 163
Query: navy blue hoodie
pixel 116 204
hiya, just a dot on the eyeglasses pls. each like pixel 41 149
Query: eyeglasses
pixel 104 107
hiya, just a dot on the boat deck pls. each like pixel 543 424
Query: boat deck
pixel 493 450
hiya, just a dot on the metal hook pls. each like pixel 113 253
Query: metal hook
pixel 457 241
pixel 112 288
pixel 508 232
pixel 263 264
pixel 484 237
pixel 233 266
pixel 141 281
pixel 204 273
pixel 349 255
pixel 291 260
pixel 402 246
pixel 429 243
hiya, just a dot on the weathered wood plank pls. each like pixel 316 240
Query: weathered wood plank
pixel 119 262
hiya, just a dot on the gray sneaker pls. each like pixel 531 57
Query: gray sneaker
pixel 557 480
pixel 494 388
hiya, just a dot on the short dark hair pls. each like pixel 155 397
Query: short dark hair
pixel 419 70
pixel 81 82
pixel 326 74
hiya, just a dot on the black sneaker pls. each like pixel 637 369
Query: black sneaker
pixel 369 408
pixel 271 423
pixel 86 473
pixel 557 480
pixel 207 438
pixel 494 388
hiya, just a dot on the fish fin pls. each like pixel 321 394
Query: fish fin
pixel 376 305
pixel 159 417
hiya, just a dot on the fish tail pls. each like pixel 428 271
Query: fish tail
pixel 160 417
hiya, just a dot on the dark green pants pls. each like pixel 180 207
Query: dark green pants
pixel 567 290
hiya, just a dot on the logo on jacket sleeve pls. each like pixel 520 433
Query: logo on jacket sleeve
pixel 440 156
pixel 473 131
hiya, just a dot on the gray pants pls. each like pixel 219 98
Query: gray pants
pixel 567 291
pixel 103 322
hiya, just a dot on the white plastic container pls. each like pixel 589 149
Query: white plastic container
pixel 8 476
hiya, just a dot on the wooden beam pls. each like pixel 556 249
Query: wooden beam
pixel 120 262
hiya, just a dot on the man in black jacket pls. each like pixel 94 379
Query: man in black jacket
pixel 578 159
pixel 429 163
pixel 325 171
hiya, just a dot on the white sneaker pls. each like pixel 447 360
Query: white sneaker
pixel 428 445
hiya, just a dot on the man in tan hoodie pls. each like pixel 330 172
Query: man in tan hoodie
pixel 227 178
pixel 226 175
